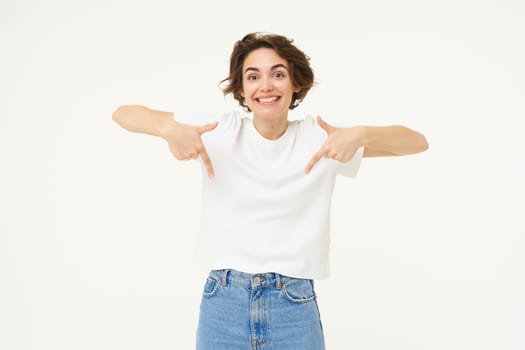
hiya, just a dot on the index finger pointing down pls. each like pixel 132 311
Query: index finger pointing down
pixel 207 163
pixel 314 160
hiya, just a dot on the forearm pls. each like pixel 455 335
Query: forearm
pixel 140 119
pixel 391 140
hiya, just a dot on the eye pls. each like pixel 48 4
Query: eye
pixel 279 75
pixel 251 77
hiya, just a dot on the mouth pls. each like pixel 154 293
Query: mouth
pixel 268 99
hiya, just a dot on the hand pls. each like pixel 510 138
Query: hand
pixel 341 144
pixel 185 142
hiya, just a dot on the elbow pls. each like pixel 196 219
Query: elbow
pixel 124 113
pixel 418 142
pixel 423 143
pixel 117 115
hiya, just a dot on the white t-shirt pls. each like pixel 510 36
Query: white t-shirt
pixel 261 212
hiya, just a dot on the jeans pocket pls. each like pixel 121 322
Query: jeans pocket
pixel 210 287
pixel 299 291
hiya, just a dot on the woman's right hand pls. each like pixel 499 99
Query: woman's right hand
pixel 185 141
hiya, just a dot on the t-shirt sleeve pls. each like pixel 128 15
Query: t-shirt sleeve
pixel 228 122
pixel 351 168
pixel 194 119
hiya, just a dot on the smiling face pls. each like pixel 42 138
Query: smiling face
pixel 266 84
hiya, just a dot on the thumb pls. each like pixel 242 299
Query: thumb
pixel 208 127
pixel 327 127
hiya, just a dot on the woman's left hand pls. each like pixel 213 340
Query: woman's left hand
pixel 341 144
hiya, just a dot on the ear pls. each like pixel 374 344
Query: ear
pixel 296 90
pixel 241 92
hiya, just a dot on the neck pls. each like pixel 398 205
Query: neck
pixel 270 129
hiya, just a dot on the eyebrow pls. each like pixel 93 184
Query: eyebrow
pixel 273 67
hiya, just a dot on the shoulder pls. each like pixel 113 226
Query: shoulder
pixel 234 116
pixel 309 122
pixel 231 118
pixel 309 127
pixel 229 126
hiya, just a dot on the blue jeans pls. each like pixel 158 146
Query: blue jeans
pixel 258 311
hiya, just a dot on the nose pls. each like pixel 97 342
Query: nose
pixel 266 85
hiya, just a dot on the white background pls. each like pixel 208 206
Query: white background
pixel 98 225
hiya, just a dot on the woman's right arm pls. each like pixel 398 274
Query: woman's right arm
pixel 184 140
pixel 141 119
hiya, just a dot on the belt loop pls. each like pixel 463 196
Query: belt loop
pixel 224 279
pixel 221 276
pixel 278 281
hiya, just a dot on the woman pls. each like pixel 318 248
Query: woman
pixel 266 197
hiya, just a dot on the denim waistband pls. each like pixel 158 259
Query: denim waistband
pixel 251 280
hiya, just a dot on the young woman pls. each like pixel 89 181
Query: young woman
pixel 266 197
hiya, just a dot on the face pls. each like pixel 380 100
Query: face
pixel 266 84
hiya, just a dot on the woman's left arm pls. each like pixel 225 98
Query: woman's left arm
pixel 342 143
pixel 395 140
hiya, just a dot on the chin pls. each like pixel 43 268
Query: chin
pixel 268 112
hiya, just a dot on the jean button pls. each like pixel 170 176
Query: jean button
pixel 257 280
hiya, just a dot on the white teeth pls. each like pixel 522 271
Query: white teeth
pixel 268 99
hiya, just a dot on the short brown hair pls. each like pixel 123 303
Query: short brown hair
pixel 301 73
